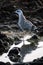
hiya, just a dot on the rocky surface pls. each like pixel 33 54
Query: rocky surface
pixel 2 63
pixel 34 40
pixel 17 40
pixel 33 11
pixel 5 43
pixel 14 54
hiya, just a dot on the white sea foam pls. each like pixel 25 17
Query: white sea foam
pixel 29 56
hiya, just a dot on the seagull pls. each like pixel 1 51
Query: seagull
pixel 23 23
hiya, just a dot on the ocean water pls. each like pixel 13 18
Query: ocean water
pixel 28 53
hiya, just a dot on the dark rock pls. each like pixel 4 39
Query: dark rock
pixel 17 40
pixel 14 51
pixel 38 61
pixel 5 43
pixel 13 54
pixel 7 15
pixel 34 40
pixel 2 49
pixel 34 37
pixel 22 64
pixel 8 63
pixel 15 58
pixel 40 31
pixel 2 63
pixel 4 38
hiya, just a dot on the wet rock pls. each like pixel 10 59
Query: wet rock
pixel 34 37
pixel 4 38
pixel 8 39
pixel 5 43
pixel 7 15
pixel 38 61
pixel 39 31
pixel 8 63
pixel 2 63
pixel 17 40
pixel 14 51
pixel 14 54
pixel 2 49
pixel 22 64
pixel 16 58
pixel 34 40
pixel 8 20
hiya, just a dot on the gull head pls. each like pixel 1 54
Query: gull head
pixel 19 11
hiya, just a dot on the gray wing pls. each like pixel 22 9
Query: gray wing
pixel 25 24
